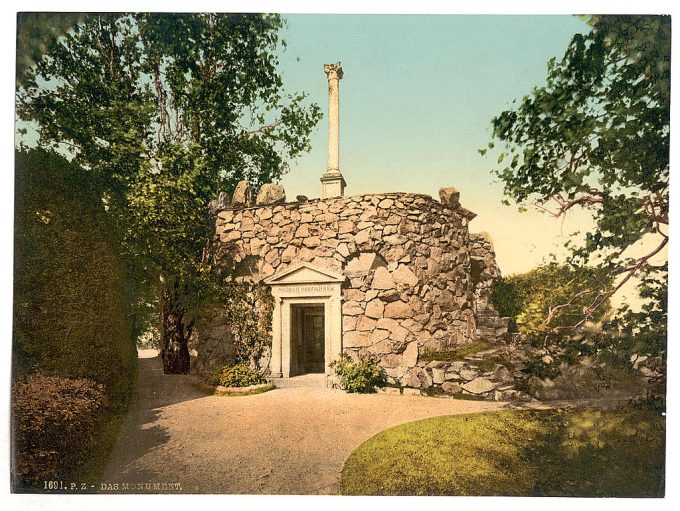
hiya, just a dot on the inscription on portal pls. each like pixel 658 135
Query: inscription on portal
pixel 306 288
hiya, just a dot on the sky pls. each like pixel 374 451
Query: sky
pixel 416 103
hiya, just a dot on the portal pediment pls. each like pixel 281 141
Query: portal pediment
pixel 304 274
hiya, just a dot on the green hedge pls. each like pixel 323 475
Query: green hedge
pixel 72 294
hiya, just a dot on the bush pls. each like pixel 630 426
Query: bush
pixel 362 376
pixel 54 422
pixel 238 375
pixel 549 297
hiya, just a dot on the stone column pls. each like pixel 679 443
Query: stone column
pixel 332 182
pixel 275 364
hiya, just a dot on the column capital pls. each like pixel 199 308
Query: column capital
pixel 333 71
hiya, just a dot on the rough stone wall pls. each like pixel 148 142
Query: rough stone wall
pixel 406 257
pixel 484 271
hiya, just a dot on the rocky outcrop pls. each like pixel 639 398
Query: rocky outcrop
pixel 213 344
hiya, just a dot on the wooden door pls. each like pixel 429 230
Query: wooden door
pixel 313 332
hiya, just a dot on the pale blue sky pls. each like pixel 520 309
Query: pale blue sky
pixel 416 102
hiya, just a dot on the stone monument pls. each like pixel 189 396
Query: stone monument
pixel 332 182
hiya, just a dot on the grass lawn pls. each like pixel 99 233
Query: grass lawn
pixel 584 453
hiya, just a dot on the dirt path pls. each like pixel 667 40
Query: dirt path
pixel 287 441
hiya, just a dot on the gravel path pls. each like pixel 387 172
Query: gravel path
pixel 286 441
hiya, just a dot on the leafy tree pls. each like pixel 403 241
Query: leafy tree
pixel 167 110
pixel 596 137
pixel 36 31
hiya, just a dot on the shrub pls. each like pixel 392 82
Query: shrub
pixel 362 376
pixel 238 375
pixel 549 297
pixel 54 422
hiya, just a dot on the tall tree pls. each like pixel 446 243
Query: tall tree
pixel 167 110
pixel 596 137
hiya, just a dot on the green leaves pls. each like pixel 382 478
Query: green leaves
pixel 596 137
pixel 166 110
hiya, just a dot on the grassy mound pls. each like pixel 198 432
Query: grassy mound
pixel 581 453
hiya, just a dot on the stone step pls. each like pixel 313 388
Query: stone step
pixel 304 380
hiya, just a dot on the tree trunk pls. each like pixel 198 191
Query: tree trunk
pixel 175 332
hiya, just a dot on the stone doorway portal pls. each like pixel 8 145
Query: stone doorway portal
pixel 304 288
pixel 308 338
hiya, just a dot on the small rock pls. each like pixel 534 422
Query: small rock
pixel 301 198
pixel 411 392
pixel 390 391
pixel 398 310
pixel 270 194
pixel 452 387
pixel 404 275
pixel 410 356
pixel 468 374
pixel 478 386
pixel 438 375
pixel 243 195
pixel 375 308
pixel 502 374
pixel 382 279
pixel 449 197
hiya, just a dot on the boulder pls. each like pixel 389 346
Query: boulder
pixel 270 194
pixel 478 386
pixel 243 195
pixel 449 197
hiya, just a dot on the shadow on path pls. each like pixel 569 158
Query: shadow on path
pixel 142 431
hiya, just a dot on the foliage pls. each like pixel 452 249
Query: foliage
pixel 549 299
pixel 249 309
pixel 583 453
pixel 362 376
pixel 72 293
pixel 36 31
pixel 458 353
pixel 596 137
pixel 237 375
pixel 166 110
pixel 54 422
